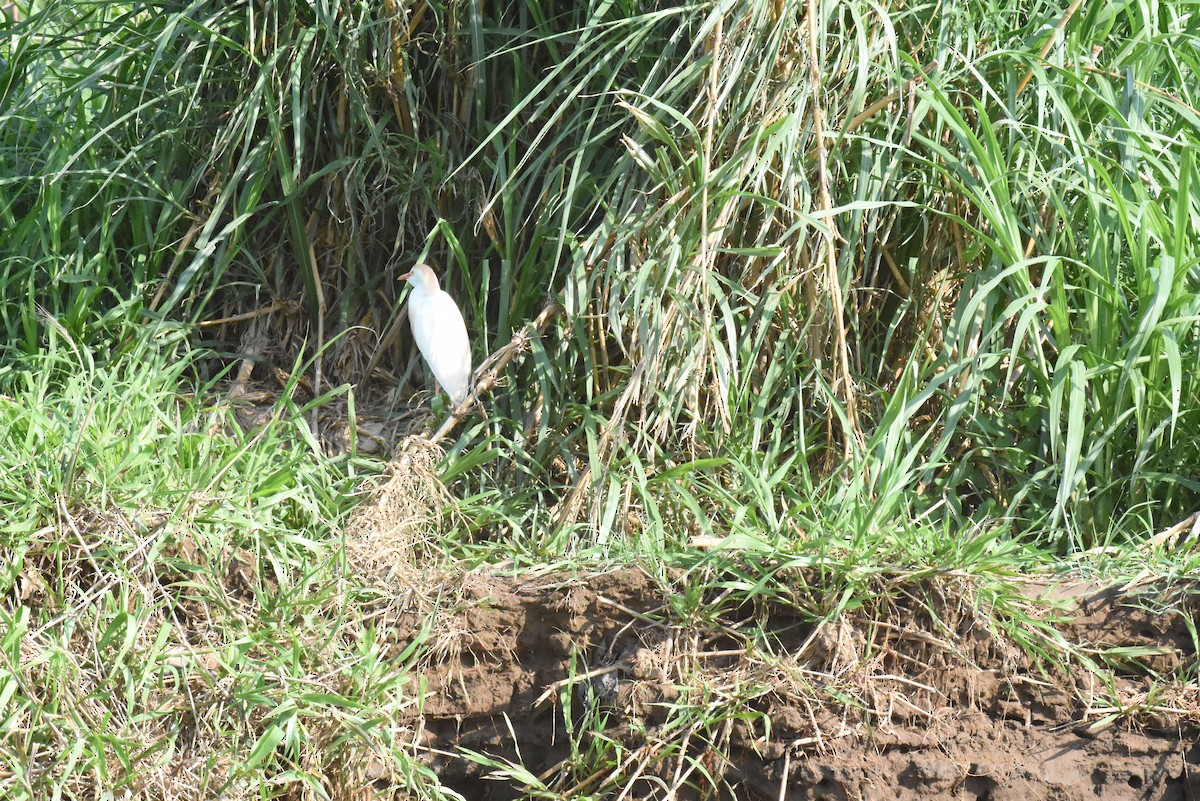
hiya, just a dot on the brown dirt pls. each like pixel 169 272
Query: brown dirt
pixel 894 704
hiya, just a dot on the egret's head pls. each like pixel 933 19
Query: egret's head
pixel 421 276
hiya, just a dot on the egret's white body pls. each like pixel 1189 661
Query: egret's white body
pixel 438 327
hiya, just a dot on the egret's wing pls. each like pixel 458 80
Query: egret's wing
pixel 441 334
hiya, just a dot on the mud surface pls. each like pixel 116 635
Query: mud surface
pixel 754 701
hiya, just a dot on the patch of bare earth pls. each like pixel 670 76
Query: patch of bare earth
pixel 753 701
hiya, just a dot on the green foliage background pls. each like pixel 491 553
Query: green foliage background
pixel 971 297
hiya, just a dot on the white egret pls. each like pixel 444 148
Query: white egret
pixel 438 327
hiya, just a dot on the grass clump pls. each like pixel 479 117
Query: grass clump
pixel 178 617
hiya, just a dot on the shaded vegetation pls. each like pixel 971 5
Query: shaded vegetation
pixel 979 294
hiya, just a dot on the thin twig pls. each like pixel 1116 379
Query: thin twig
pixel 641 768
pixel 1191 522
pixel 570 680
pixel 642 616
pixel 250 315
pixel 1158 90
pixel 852 435
pixel 883 102
pixel 709 242
pixel 787 771
pixel 318 368
pixel 383 344
pixel 183 249
pixel 1062 23
pixel 489 372
pixel 239 386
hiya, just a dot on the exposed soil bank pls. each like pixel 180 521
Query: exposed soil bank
pixel 929 709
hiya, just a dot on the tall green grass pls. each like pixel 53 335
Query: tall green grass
pixel 1011 270
pixel 970 296
pixel 176 616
